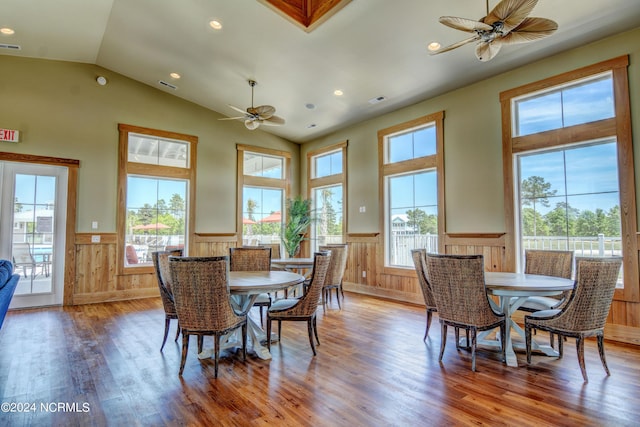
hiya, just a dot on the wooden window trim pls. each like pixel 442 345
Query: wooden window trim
pixel 258 181
pixel 435 161
pixel 126 168
pixel 336 179
pixel 619 127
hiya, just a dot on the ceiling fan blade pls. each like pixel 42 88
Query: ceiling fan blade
pixel 239 110
pixel 487 51
pixel 263 111
pixel 455 45
pixel 530 30
pixel 233 118
pixel 464 24
pixel 273 121
pixel 510 12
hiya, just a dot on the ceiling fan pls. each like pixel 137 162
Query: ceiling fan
pixel 507 23
pixel 255 116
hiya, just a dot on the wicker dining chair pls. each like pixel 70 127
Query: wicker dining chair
pixel 303 308
pixel 161 265
pixel 201 293
pixel 457 282
pixel 420 264
pixel 335 274
pixel 547 263
pixel 585 314
pixel 253 258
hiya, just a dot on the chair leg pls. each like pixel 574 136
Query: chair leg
pixel 185 348
pixel 216 347
pixel 315 329
pixel 580 350
pixel 279 330
pixel 443 340
pixel 503 336
pixel 457 335
pixel 261 321
pixel 560 346
pixel 338 298
pixel 177 332
pixel 426 332
pixel 603 359
pixel 268 332
pixel 527 340
pixel 200 343
pixel 166 332
pixel 474 333
pixel 310 330
pixel 244 342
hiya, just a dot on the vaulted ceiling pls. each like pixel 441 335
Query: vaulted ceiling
pixel 374 51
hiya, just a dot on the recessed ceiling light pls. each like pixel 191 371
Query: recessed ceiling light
pixel 175 75
pixel 310 106
pixel 216 25
pixel 7 31
pixel 338 92
pixel 311 126
pixel 433 46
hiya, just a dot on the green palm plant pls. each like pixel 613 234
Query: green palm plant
pixel 298 221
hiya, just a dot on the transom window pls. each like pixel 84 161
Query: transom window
pixel 412 171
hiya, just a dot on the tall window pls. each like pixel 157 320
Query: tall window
pixel 263 186
pixel 569 162
pixel 156 194
pixel 327 177
pixel 412 183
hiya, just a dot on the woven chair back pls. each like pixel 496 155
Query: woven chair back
pixel 161 265
pixel 549 263
pixel 457 282
pixel 589 305
pixel 420 264
pixel 250 258
pixel 201 293
pixel 339 255
pixel 308 303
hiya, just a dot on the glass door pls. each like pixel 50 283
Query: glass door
pixel 32 230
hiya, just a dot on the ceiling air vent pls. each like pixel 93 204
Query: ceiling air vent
pixel 169 85
pixel 9 46
pixel 377 100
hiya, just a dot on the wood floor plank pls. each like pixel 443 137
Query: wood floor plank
pixel 372 369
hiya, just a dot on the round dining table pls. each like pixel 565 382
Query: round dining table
pixel 245 286
pixel 512 290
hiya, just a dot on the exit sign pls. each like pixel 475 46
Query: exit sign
pixel 9 135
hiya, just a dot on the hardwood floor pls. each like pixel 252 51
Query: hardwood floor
pixel 103 362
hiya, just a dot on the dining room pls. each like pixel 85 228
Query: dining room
pixel 141 167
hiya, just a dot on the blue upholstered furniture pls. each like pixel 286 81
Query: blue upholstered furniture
pixel 8 283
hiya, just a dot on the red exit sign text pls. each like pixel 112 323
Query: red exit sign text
pixel 9 135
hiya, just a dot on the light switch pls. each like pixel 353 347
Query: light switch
pixel 363 209
pixel 95 238
pixel 94 225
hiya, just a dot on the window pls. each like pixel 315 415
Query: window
pixel 263 186
pixel 327 177
pixel 156 195
pixel 567 167
pixel 412 182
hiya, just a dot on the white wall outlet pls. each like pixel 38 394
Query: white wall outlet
pixel 94 225
pixel 95 239
pixel 364 274
pixel 363 209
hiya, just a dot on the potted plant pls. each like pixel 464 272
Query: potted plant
pixel 297 223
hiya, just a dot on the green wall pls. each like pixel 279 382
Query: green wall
pixel 473 144
pixel 61 111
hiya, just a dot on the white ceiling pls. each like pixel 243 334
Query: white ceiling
pixel 369 48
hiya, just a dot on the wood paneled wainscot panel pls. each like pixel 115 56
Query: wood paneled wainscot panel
pixel 96 279
pixel 213 244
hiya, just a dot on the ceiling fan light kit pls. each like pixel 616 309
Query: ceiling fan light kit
pixel 253 117
pixel 508 23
